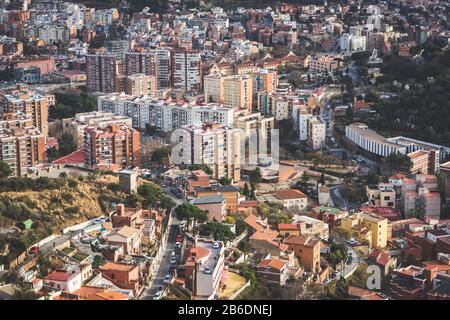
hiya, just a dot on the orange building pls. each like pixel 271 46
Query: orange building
pixel 112 148
pixel 307 250
pixel 22 148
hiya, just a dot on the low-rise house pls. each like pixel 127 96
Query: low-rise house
pixel 197 178
pixel 213 206
pixel 276 271
pixel 230 193
pixel 312 227
pixel 127 237
pixel 292 199
pixel 125 276
pixel 65 280
pixel 383 260
pixel 307 250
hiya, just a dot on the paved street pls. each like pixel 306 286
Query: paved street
pixel 164 265
pixel 350 268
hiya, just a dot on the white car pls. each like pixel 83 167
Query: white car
pixel 158 295
pixel 167 278
pixel 178 244
pixel 173 260
pixel 207 270
pixel 216 245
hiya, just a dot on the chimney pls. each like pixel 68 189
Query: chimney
pixel 120 209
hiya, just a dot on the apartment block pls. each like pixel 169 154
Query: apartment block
pixel 324 63
pixel 101 71
pixel 366 228
pixel 22 148
pixel 186 71
pixel 235 91
pixel 140 85
pixel 140 62
pixel 214 145
pixel 30 103
pixel 420 196
pixel 165 115
pixel 75 126
pixel 204 269
pixel 316 132
pixel 112 148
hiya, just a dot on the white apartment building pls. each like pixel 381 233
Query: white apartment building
pixel 304 115
pixel 360 134
pixel 351 43
pixel 212 144
pixel 186 66
pixel 164 115
pixel 316 132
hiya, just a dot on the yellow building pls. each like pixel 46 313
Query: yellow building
pixel 233 91
pixel 140 85
pixel 367 228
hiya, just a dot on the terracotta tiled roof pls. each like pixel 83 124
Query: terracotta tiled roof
pixel 251 221
pixel 76 157
pixel 289 194
pixel 276 264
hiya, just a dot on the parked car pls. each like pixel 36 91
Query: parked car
pixel 173 260
pixel 167 278
pixel 216 245
pixel 159 293
pixel 179 238
pixel 207 270
pixel 34 250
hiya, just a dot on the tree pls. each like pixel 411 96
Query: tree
pixel 255 177
pixel 225 181
pixel 217 230
pixel 167 203
pixel 246 191
pixel 22 294
pixel 190 212
pixel 304 180
pixel 151 195
pixel 67 144
pixel 161 155
pixel 203 167
pixel 5 170
pixel 398 162
pixel 373 178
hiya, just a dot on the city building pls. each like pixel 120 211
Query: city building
pixel 29 103
pixel 316 133
pixel 204 269
pixel 366 228
pixel 186 71
pixel 369 140
pixel 323 63
pixel 75 126
pixel 235 90
pixel 22 148
pixel 292 199
pixel 382 195
pixel 140 85
pixel 114 147
pixel 213 206
pixel 164 115
pixel 307 251
pixel 212 144
pixel 101 71
pixel 421 197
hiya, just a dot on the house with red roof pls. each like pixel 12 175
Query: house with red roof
pixel 383 260
pixel 65 280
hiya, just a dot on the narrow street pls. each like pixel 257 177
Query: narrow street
pixel 163 266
